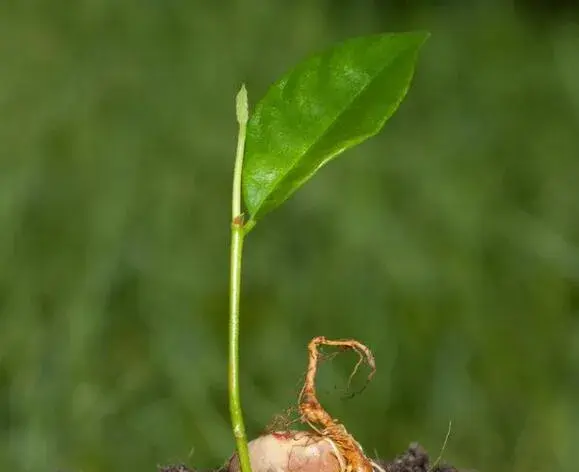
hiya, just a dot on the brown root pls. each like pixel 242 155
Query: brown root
pixel 351 454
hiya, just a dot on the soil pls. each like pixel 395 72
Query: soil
pixel 415 459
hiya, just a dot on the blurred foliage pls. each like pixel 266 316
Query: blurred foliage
pixel 449 243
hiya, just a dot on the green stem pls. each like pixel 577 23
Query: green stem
pixel 237 236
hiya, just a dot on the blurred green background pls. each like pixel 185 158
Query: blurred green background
pixel 449 243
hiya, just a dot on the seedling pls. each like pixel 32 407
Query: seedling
pixel 325 105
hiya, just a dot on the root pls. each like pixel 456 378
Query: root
pixel 439 458
pixel 281 422
pixel 351 457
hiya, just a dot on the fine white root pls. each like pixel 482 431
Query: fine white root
pixel 377 467
pixel 338 454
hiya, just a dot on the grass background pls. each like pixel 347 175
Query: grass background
pixel 449 243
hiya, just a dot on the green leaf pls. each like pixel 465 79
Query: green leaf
pixel 325 105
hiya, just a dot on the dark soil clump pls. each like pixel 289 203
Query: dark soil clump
pixel 415 459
